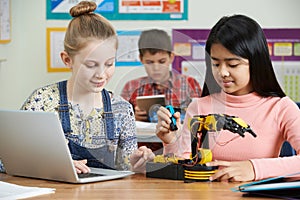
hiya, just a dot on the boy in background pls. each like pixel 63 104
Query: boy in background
pixel 155 53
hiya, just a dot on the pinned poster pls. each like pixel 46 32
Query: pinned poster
pixel 55 41
pixel 5 21
pixel 124 9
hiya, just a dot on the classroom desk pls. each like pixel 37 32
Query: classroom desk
pixel 136 186
pixel 146 137
pixel 146 132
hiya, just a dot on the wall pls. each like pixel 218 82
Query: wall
pixel 25 68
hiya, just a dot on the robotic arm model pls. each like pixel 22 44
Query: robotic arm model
pixel 200 125
pixel 194 169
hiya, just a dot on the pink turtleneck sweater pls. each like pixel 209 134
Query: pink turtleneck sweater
pixel 273 119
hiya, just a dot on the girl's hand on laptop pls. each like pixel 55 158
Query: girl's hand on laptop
pixel 81 166
pixel 139 158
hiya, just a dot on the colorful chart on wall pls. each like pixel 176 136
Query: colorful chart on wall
pixel 284 48
pixel 127 52
pixel 124 9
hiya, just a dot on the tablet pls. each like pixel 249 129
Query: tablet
pixel 287 186
pixel 145 102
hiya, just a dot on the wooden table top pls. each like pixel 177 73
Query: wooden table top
pixel 136 186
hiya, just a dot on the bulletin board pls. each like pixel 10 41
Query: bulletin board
pixel 5 21
pixel 55 42
pixel 189 49
pixel 284 48
pixel 124 9
pixel 127 52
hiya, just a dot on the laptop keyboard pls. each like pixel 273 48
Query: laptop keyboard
pixel 88 175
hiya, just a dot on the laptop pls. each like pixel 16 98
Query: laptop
pixel 32 144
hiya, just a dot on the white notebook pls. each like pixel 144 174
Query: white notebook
pixel 10 191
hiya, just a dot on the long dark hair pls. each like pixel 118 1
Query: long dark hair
pixel 243 37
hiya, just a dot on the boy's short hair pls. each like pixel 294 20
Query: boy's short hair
pixel 153 41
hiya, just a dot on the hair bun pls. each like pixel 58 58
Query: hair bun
pixel 83 7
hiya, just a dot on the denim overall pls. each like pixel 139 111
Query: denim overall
pixel 102 157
